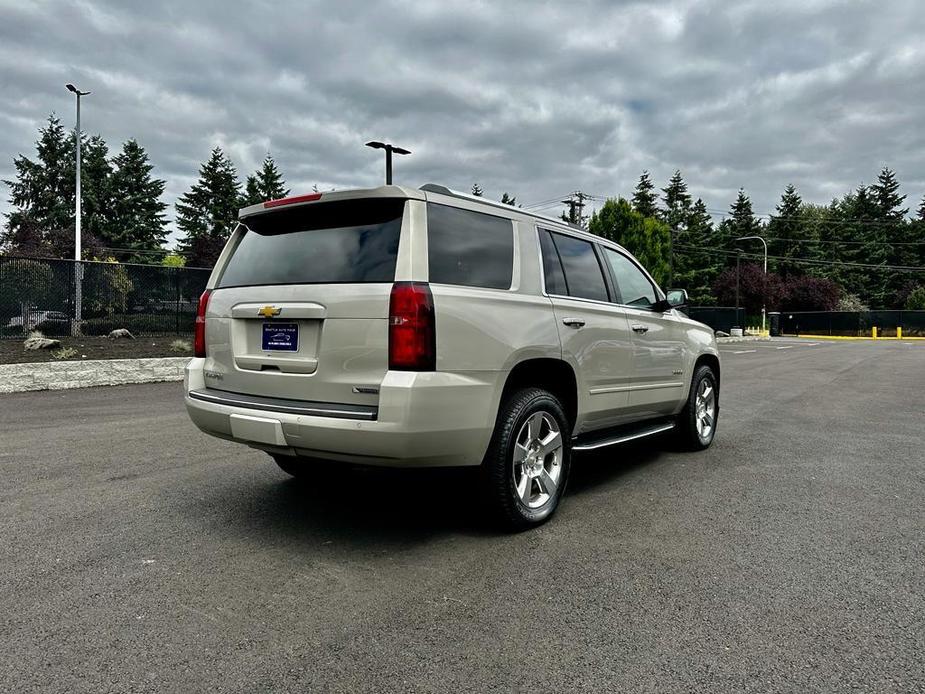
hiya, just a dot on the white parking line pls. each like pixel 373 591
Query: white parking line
pixel 738 351
pixel 786 347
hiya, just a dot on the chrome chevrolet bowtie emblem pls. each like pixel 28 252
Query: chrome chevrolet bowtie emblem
pixel 269 311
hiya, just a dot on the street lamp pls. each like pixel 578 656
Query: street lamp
pixel 389 148
pixel 75 330
pixel 764 291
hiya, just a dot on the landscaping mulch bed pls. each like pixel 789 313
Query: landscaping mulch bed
pixel 12 352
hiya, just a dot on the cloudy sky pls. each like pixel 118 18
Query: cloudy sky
pixel 534 98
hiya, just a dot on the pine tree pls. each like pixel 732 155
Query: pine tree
pixel 886 194
pixel 477 190
pixel 696 264
pixel 677 202
pixel 206 213
pixel 644 197
pixel 97 214
pixel 787 230
pixel 920 214
pixel 896 232
pixel 508 200
pixel 138 212
pixel 265 184
pixel 744 222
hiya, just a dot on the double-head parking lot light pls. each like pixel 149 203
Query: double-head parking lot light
pixel 389 148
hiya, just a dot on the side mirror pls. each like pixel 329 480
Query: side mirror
pixel 676 298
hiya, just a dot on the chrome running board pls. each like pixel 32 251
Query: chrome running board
pixel 624 437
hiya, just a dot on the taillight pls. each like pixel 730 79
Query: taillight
pixel 199 335
pixel 412 335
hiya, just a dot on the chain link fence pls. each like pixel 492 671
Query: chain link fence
pixel 49 295
pixel 853 323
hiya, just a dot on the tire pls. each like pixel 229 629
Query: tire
pixel 526 467
pixel 697 421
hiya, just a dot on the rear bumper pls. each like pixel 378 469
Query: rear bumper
pixel 422 420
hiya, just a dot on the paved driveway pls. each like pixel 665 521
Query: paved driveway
pixel 140 555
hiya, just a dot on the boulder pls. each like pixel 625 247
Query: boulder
pixel 121 333
pixel 41 342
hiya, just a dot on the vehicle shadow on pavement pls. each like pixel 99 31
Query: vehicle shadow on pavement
pixel 367 507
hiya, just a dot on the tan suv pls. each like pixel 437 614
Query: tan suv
pixel 405 327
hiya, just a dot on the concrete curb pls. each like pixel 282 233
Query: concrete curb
pixel 17 378
pixel 747 338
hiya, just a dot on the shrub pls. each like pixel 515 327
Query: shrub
pixel 755 289
pixel 182 346
pixel 851 302
pixel 807 293
pixel 65 353
pixel 916 300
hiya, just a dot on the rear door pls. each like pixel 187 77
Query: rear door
pixel 300 308
pixel 658 340
pixel 593 330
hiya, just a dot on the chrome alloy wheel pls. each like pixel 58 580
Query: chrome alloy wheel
pixel 705 410
pixel 537 465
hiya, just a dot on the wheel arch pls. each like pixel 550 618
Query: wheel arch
pixel 555 375
pixel 712 361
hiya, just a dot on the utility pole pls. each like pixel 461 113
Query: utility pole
pixel 78 268
pixel 738 264
pixel 576 205
pixel 764 291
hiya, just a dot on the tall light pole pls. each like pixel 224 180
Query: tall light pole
pixel 78 274
pixel 765 289
pixel 389 148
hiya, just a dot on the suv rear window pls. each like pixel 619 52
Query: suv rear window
pixel 469 248
pixel 324 243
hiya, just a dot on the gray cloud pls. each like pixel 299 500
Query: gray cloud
pixel 536 99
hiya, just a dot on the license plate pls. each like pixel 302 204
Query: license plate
pixel 280 337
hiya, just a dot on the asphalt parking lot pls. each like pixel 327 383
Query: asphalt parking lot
pixel 140 555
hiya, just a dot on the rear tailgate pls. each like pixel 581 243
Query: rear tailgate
pixel 300 309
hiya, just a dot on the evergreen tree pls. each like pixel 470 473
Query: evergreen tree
pixel 744 222
pixel 920 214
pixel 97 214
pixel 896 232
pixel 477 190
pixel 677 202
pixel 787 230
pixel 696 264
pixel 645 237
pixel 508 200
pixel 886 194
pixel 42 193
pixel 137 210
pixel 206 213
pixel 265 184
pixel 644 197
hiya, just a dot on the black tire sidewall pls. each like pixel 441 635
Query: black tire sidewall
pixel 690 420
pixel 498 464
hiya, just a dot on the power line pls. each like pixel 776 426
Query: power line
pixel 803 261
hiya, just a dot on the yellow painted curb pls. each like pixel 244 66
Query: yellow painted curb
pixel 844 337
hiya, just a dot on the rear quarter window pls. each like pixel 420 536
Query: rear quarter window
pixel 469 248
pixel 324 243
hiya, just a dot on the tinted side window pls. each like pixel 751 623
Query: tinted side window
pixel 634 287
pixel 552 266
pixel 469 248
pixel 582 270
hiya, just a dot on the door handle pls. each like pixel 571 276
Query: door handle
pixel 573 322
pixel 640 328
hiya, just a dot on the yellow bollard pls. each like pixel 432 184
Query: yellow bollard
pixel 899 332
pixel 873 332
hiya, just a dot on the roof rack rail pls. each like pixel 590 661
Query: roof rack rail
pixel 443 190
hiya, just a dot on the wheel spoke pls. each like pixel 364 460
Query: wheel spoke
pixel 550 444
pixel 520 453
pixel 707 392
pixel 533 427
pixel 547 482
pixel 708 419
pixel 524 488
